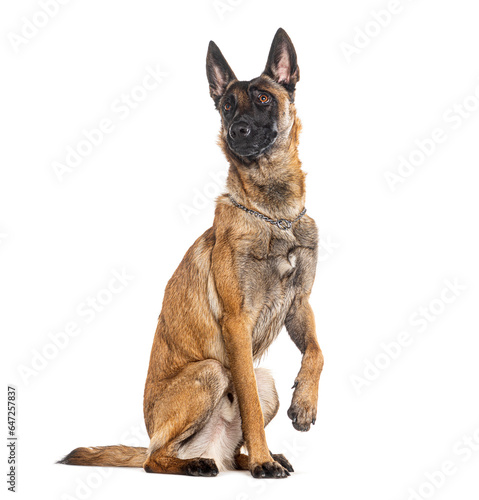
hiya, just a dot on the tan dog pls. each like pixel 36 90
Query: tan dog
pixel 240 282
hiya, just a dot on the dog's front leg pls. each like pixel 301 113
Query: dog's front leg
pixel 237 332
pixel 301 328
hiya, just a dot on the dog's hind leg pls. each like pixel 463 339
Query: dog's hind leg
pixel 181 407
pixel 222 437
pixel 219 437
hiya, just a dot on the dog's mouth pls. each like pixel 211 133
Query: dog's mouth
pixel 256 146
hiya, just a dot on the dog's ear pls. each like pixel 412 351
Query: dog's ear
pixel 218 72
pixel 282 65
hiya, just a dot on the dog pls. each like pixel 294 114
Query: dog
pixel 237 286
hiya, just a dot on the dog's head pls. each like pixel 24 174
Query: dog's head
pixel 257 115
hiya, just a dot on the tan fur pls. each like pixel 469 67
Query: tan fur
pixel 107 456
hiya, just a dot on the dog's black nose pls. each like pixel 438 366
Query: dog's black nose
pixel 239 130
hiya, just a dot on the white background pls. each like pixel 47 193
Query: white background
pixel 385 253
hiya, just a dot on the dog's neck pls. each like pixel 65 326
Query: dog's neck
pixel 272 184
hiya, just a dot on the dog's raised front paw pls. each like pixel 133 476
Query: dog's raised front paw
pixel 303 407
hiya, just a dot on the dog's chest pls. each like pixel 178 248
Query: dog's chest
pixel 270 277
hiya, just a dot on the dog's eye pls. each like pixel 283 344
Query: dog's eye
pixel 263 98
pixel 227 106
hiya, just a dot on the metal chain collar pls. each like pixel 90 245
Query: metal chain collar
pixel 281 223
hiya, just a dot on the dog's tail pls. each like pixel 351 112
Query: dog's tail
pixel 107 456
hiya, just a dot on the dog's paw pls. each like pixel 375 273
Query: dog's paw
pixel 202 467
pixel 271 469
pixel 281 459
pixel 303 407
